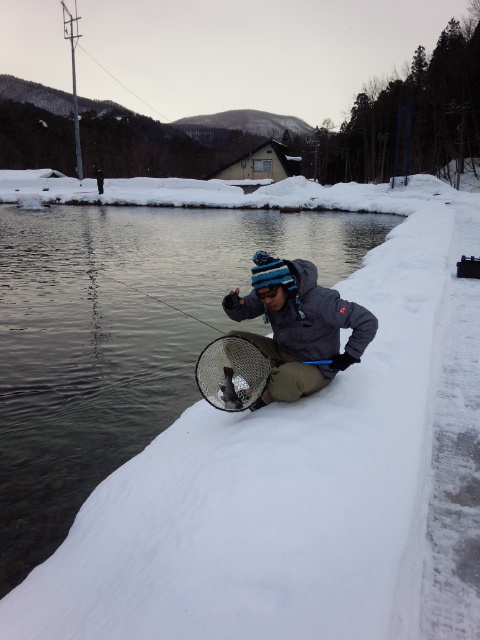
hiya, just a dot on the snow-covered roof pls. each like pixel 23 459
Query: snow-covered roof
pixel 27 174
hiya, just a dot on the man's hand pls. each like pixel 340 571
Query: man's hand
pixel 232 300
pixel 342 361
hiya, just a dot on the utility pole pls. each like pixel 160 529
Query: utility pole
pixel 314 142
pixel 71 33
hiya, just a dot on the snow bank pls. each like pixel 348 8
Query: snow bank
pixel 294 192
pixel 291 186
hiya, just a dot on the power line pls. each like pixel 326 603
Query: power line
pixel 124 86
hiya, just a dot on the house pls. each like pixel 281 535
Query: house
pixel 269 161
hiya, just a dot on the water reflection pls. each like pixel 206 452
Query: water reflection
pixel 268 228
pixel 359 239
pixel 92 370
pixel 99 336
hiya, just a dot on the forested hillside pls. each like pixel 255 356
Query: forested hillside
pixel 441 96
pixel 124 146
pixel 128 146
pixel 417 123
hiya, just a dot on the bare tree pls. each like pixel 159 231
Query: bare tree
pixel 374 87
pixel 474 10
pixel 470 22
pixel 328 124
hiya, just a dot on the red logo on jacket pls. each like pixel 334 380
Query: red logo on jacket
pixel 342 310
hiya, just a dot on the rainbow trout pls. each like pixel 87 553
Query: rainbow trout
pixel 230 396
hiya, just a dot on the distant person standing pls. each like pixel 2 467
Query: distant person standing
pixel 100 178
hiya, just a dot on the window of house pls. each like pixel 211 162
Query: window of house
pixel 262 166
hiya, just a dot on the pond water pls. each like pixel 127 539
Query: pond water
pixel 97 354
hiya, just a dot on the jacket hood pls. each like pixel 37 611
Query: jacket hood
pixel 306 275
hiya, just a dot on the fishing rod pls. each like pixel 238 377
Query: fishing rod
pixel 189 315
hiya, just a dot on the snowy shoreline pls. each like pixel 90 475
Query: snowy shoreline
pixel 31 189
pixel 300 521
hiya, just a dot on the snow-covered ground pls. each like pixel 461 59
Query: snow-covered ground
pixel 349 515
pixel 32 189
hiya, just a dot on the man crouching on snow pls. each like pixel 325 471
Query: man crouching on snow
pixel 306 320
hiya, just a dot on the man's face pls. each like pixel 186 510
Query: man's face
pixel 274 298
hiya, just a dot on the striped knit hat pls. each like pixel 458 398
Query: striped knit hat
pixel 274 272
pixel 271 272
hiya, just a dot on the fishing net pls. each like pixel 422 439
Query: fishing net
pixel 231 373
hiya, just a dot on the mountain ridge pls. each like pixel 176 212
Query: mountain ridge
pixel 252 121
pixel 58 102
pixel 53 100
pixel 125 143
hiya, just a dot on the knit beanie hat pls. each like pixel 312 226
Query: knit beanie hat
pixel 271 272
pixel 274 272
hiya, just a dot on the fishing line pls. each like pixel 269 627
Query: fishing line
pixel 163 302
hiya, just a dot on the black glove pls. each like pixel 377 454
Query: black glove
pixel 342 361
pixel 231 301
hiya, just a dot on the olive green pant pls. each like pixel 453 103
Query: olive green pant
pixel 290 381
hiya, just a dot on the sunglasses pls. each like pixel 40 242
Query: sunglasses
pixel 269 295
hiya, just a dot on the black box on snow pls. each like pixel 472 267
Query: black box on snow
pixel 468 267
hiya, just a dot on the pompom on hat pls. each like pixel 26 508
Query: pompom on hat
pixel 274 272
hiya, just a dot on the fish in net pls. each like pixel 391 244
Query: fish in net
pixel 232 373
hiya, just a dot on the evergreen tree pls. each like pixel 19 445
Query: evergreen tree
pixel 418 70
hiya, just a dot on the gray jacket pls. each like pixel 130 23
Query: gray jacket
pixel 317 337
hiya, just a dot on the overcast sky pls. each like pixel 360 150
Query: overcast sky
pixel 304 58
